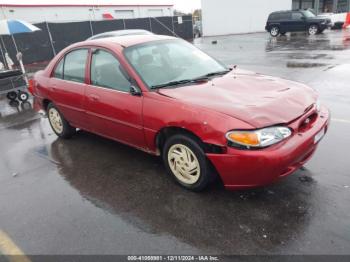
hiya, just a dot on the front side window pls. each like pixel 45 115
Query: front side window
pixel 106 72
pixel 297 16
pixel 308 14
pixel 74 66
pixel 161 62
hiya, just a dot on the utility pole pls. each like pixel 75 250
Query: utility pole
pixel 335 6
pixel 317 6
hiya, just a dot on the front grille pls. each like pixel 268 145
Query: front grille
pixel 307 122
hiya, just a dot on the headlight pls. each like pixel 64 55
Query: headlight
pixel 258 138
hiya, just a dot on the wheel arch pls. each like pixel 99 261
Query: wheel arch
pixel 166 132
pixel 46 103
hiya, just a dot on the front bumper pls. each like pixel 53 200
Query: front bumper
pixel 241 169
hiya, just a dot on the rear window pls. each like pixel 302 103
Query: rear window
pixel 274 17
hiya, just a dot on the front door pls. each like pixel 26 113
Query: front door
pixel 297 22
pixel 112 111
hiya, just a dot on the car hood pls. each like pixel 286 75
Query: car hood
pixel 319 19
pixel 254 98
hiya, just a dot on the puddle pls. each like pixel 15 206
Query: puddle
pixel 304 65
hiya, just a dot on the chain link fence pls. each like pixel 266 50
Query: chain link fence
pixel 43 45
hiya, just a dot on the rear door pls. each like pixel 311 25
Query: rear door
pixel 67 86
pixel 285 19
pixel 111 109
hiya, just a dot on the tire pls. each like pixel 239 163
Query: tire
pixel 187 163
pixel 23 96
pixel 274 31
pixel 312 30
pixel 11 95
pixel 58 123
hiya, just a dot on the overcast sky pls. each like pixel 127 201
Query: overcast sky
pixel 187 5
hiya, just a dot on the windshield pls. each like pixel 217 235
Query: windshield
pixel 162 62
pixel 308 14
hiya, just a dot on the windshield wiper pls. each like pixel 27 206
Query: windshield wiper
pixel 181 82
pixel 194 80
pixel 218 73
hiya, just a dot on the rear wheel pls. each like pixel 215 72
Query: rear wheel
pixel 187 163
pixel 313 30
pixel 274 31
pixel 58 124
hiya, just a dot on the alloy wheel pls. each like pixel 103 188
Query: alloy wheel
pixel 313 30
pixel 274 31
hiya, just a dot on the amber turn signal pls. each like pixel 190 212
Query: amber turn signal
pixel 244 138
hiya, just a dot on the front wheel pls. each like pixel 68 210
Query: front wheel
pixel 187 163
pixel 274 31
pixel 313 30
pixel 58 124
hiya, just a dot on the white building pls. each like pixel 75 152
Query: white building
pixel 81 10
pixel 222 17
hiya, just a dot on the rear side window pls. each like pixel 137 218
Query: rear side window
pixel 273 17
pixel 58 73
pixel 106 72
pixel 74 66
pixel 285 15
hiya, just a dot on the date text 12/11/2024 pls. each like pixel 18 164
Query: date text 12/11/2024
pixel 173 258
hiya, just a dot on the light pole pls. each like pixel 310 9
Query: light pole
pixel 317 6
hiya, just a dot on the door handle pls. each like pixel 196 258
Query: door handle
pixel 94 97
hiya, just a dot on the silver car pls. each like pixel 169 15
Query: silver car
pixel 120 33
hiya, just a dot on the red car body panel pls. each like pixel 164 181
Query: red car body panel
pixel 239 100
pixel 258 99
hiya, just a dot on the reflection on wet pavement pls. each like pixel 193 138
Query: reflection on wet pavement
pixel 89 195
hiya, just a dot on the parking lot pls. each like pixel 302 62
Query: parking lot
pixel 90 195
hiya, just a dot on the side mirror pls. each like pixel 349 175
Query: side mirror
pixel 135 91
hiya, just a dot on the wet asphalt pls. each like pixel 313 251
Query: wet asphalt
pixel 89 195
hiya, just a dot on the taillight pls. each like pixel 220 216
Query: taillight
pixel 31 84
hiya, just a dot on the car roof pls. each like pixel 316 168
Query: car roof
pixel 121 33
pixel 126 40
pixel 277 12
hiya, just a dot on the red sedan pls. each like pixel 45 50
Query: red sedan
pixel 164 96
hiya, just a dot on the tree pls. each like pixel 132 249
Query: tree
pixel 197 15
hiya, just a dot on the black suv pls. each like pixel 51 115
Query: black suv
pixel 293 21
